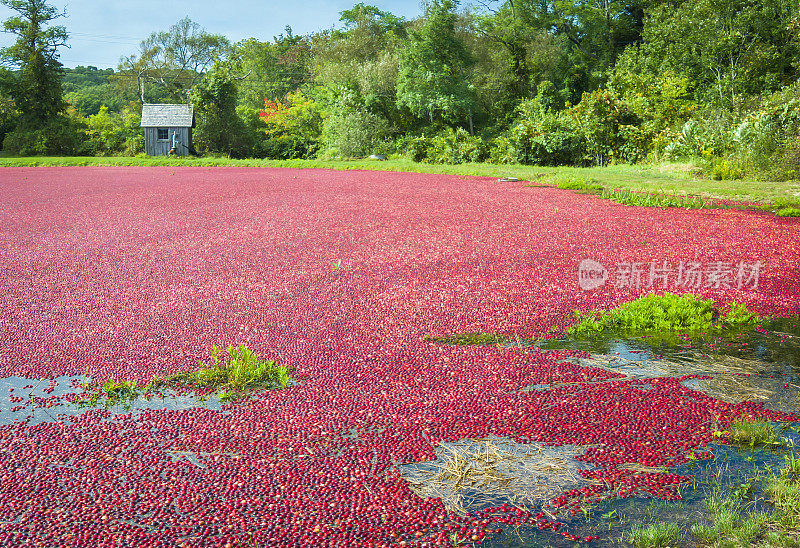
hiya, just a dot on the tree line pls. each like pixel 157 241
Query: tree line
pixel 550 82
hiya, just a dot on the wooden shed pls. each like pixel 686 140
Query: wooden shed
pixel 167 128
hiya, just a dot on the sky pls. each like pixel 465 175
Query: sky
pixel 103 31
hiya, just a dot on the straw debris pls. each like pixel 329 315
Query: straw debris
pixel 472 474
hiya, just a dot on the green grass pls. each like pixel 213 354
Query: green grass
pixel 675 179
pixel 662 313
pixel 231 378
pixel 655 535
pixel 656 199
pixel 725 526
pixel 243 370
pixel 784 492
pixel 788 212
pixel 576 182
pixel 753 433
pixel 469 339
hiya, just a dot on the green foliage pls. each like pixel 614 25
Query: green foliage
pixel 219 128
pixel 598 119
pixel 433 81
pixel 655 199
pixel 115 133
pixel 353 133
pixel 788 212
pixel 293 128
pixel 88 88
pixel 540 135
pixel 455 146
pixel 274 69
pixel 469 339
pixel 60 136
pixel 37 90
pixel 573 182
pixel 662 313
pixel 753 433
pixel 243 370
pixel 725 169
pixel 655 535
pixel 170 63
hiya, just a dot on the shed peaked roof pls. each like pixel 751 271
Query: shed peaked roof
pixel 158 115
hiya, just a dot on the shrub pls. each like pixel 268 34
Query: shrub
pixel 115 133
pixel 788 212
pixel 598 118
pixel 725 169
pixel 456 146
pixel 417 148
pixel 503 151
pixel 539 136
pixel 286 147
pixel 354 133
pixel 61 136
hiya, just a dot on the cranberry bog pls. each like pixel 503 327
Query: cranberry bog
pixel 348 278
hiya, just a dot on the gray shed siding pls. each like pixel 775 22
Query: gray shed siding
pixel 155 147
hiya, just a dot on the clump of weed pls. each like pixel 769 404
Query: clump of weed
pixel 573 182
pixel 657 199
pixel 784 493
pixel 232 378
pixel 662 313
pixel 753 433
pixel 655 535
pixel 469 339
pixel 788 212
pixel 727 527
pixel 243 370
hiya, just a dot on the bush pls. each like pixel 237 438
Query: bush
pixel 356 133
pixel 456 146
pixel 598 119
pixel 114 133
pixel 503 151
pixel 61 136
pixel 416 147
pixel 725 169
pixel 286 147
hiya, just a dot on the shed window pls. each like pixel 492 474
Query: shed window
pixel 163 134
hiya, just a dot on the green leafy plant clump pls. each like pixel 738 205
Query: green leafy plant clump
pixel 655 535
pixel 788 212
pixel 242 371
pixel 663 313
pixel 232 378
pixel 753 433
pixel 656 199
pixel 571 182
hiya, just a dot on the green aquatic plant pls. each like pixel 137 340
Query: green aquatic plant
pixel 242 371
pixel 660 314
pixel 655 535
pixel 657 199
pixel 753 433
